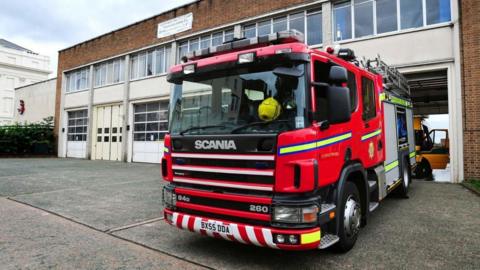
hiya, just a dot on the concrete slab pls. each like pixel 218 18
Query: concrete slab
pixel 103 207
pixel 436 228
pixel 33 239
pixel 26 176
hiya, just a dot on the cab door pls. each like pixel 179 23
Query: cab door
pixel 370 130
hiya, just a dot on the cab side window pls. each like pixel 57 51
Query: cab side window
pixel 352 86
pixel 321 74
pixel 368 99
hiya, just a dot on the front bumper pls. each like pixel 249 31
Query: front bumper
pixel 246 234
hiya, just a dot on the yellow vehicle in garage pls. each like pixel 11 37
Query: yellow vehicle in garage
pixel 432 147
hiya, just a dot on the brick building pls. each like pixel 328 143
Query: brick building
pixel 470 29
pixel 112 94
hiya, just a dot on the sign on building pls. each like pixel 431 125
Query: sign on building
pixel 174 26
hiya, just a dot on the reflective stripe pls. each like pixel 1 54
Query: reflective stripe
pixel 185 220
pixel 371 134
pixel 382 96
pixel 412 154
pixel 166 150
pixel 399 101
pixel 312 237
pixel 267 235
pixel 197 225
pixel 251 236
pixel 236 233
pixel 314 145
pixel 174 218
pixel 391 166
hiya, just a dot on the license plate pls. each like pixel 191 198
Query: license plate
pixel 217 227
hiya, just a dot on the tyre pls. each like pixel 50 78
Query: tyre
pixel 350 215
pixel 402 190
pixel 424 170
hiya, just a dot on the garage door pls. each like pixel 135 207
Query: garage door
pixel 107 124
pixel 150 127
pixel 77 134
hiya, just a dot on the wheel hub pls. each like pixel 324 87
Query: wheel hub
pixel 352 216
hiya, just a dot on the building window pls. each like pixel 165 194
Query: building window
pixel 363 10
pixel 109 72
pixel 203 42
pixel 308 22
pixel 342 21
pixel 372 17
pixel 77 126
pixel 77 80
pixel 411 14
pixel 386 16
pixel 314 27
pixel 150 121
pixel 368 99
pixel 438 11
pixel 150 63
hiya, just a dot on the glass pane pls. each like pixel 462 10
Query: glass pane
pixel 168 52
pixel 164 126
pixel 134 67
pixel 105 138
pixel 205 42
pixel 160 61
pixel 99 139
pixel 411 14
pixel 116 71
pixel 114 138
pixel 103 74
pixel 155 106
pixel 249 31
pixel 140 108
pixel 183 49
pixel 140 117
pixel 142 59
pixel 152 137
pixel 139 137
pixel 279 24
pixel 228 35
pixel 264 28
pixel 363 19
pixel 217 39
pixel 342 19
pixel 163 115
pixel 139 127
pixel 314 29
pixel 438 11
pixel 114 130
pixel 99 130
pixel 386 16
pixel 110 73
pixel 297 21
pixel 153 117
pixel 152 126
pixel 150 63
pixel 193 45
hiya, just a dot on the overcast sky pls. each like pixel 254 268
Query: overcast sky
pixel 47 26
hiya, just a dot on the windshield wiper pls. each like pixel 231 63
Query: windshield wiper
pixel 201 127
pixel 256 124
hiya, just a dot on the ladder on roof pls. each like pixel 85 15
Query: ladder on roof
pixel 393 80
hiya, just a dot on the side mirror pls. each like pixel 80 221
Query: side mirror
pixel 338 104
pixel 338 75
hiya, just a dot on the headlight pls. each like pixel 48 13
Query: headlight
pixel 169 198
pixel 289 214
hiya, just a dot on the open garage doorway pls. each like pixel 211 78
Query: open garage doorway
pixel 429 90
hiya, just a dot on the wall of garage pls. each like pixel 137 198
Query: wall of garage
pixel 471 85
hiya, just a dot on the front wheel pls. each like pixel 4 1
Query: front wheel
pixel 350 217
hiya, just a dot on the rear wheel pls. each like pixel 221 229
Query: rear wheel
pixel 406 179
pixel 350 216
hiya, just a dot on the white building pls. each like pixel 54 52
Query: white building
pixel 38 101
pixel 18 67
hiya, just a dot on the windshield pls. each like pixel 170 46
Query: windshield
pixel 244 100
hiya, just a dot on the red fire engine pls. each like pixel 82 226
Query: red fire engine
pixel 278 145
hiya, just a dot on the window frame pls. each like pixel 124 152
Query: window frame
pixel 77 80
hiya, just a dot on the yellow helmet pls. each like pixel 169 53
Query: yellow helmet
pixel 269 109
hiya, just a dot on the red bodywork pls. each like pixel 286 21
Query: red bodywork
pixel 329 153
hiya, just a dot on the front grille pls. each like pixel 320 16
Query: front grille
pixel 251 164
pixel 259 179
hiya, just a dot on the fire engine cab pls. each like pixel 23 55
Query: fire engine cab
pixel 274 144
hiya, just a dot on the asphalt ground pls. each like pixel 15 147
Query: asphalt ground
pixel 80 214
